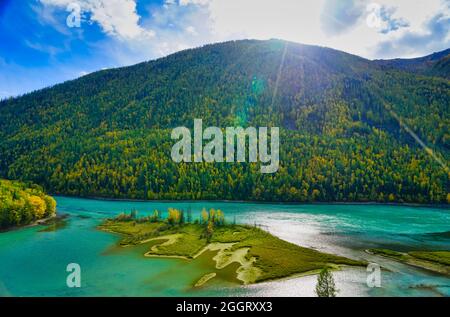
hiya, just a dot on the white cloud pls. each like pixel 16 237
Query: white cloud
pixel 262 19
pixel 187 23
pixel 116 17
pixel 302 21
pixel 177 27
pixel 180 24
pixel 191 30
pixel 415 12
pixel 433 37
pixel 195 2
pixel 49 49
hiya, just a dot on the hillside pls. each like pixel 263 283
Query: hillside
pixel 108 133
pixel 436 64
pixel 21 204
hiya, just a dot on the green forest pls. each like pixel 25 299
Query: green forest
pixel 347 127
pixel 22 204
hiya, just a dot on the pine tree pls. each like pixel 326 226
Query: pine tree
pixel 325 284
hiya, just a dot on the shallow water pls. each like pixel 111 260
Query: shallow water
pixel 33 262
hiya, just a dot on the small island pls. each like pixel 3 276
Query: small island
pixel 254 254
pixel 434 261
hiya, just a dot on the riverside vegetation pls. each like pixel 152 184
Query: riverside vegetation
pixel 259 255
pixel 342 119
pixel 435 261
pixel 22 204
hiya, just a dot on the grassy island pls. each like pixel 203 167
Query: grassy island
pixel 256 254
pixel 435 261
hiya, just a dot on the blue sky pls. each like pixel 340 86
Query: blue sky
pixel 41 42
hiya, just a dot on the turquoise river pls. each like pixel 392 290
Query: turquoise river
pixel 33 260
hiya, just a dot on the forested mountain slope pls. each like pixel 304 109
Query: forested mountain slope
pixel 436 64
pixel 344 127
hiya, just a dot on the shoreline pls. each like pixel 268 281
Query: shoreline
pixel 337 203
pixel 30 225
pixel 407 259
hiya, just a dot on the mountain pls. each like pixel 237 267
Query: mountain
pixel 348 127
pixel 436 64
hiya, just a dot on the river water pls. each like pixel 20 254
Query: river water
pixel 33 262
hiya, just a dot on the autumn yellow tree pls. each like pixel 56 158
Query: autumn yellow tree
pixel 38 205
pixel 174 216
pixel 204 216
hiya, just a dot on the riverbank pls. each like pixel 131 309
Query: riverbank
pixel 259 256
pixel 40 222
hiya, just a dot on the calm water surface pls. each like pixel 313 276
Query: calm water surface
pixel 33 263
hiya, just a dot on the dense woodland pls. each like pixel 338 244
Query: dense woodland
pixel 346 127
pixel 22 204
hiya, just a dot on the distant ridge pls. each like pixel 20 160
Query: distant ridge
pixel 436 64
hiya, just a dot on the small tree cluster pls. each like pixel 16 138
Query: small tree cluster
pixel 155 216
pixel 211 219
pixel 21 204
pixel 124 217
pixel 217 217
pixel 175 216
pixel 133 216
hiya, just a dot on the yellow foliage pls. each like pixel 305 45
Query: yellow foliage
pixel 212 214
pixel 204 215
pixel 38 205
pixel 174 216
pixel 50 205
pixel 391 197
pixel 220 217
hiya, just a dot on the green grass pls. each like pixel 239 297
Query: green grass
pixel 188 245
pixel 275 258
pixel 436 261
pixel 441 257
pixel 133 232
pixel 387 252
